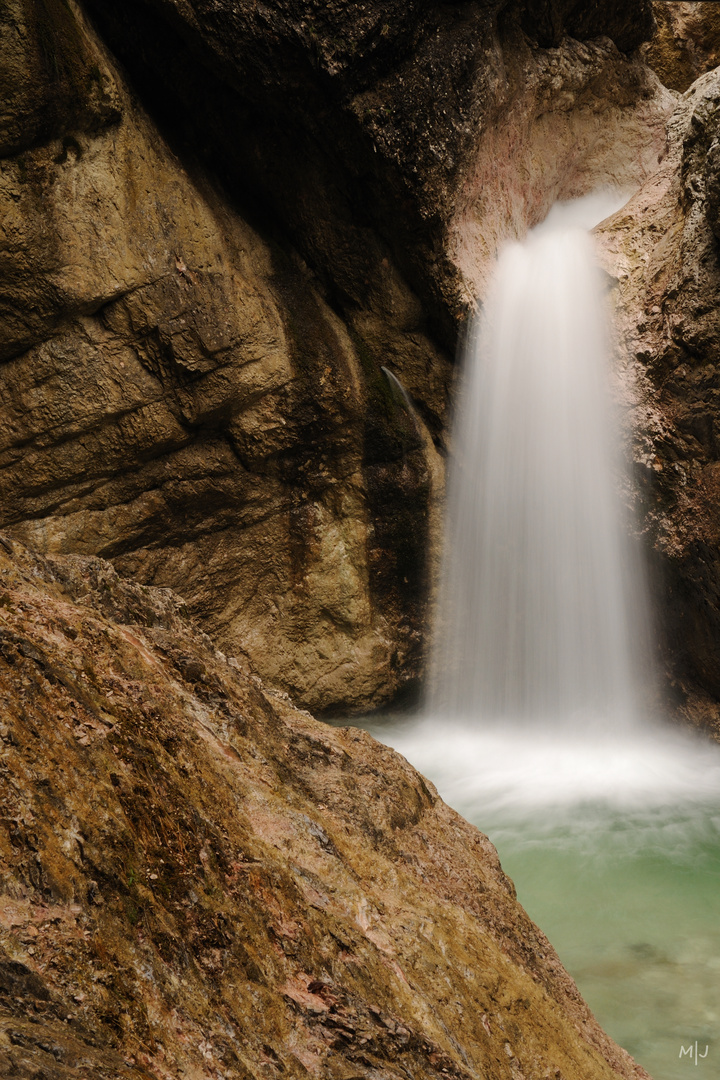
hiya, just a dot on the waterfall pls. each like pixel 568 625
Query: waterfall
pixel 609 826
pixel 541 602
pixel 539 666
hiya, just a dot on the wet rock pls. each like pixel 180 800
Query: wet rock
pixel 179 395
pixel 198 879
pixel 662 250
pixel 569 120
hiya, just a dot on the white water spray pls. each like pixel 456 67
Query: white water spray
pixel 541 605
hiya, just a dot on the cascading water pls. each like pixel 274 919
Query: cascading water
pixel 540 603
pixel 608 823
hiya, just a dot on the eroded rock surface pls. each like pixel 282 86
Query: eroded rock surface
pixel 686 43
pixel 448 126
pixel 569 120
pixel 663 251
pixel 197 879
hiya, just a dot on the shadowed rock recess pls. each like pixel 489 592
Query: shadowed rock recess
pixel 199 880
pixel 193 324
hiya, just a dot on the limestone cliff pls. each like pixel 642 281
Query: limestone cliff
pixel 194 318
pixel 198 880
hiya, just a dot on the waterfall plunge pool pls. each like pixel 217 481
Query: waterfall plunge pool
pixel 614 848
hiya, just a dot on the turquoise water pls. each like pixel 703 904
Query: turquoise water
pixel 614 848
pixel 637 929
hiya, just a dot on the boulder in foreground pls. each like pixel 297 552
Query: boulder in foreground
pixel 199 880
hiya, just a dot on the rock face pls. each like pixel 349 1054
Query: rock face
pixel 178 394
pixel 663 251
pixel 193 345
pixel 570 120
pixel 686 43
pixel 196 879
pixel 394 109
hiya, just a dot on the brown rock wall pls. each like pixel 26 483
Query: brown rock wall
pixel 686 43
pixel 178 395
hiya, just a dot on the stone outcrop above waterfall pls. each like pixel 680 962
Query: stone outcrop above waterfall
pixel 392 130
pixel 569 120
pixel 197 879
pixel 686 43
pixel 662 250
pixel 193 331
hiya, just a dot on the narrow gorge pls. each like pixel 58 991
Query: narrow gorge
pixel 241 248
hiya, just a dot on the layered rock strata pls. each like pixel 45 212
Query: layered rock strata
pixel 197 879
pixel 177 393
